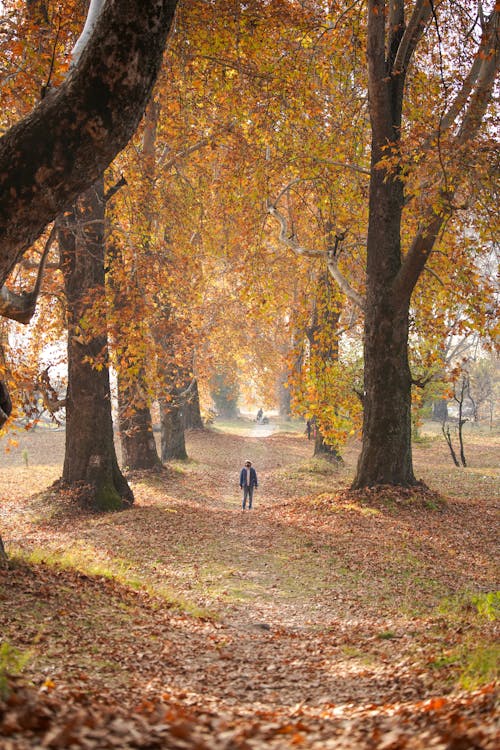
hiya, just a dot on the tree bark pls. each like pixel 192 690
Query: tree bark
pixel 391 42
pixel 4 560
pixel 386 452
pixel 136 427
pixel 326 451
pixel 192 411
pixel 60 149
pixel 386 456
pixel 90 462
pixel 173 444
pixel 284 398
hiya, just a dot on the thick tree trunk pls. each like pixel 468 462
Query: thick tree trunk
pixel 136 428
pixel 4 560
pixel 440 410
pixel 90 460
pixel 173 444
pixel 386 452
pixel 391 43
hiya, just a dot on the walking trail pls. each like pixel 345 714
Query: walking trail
pixel 203 626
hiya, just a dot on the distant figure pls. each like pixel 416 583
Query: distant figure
pixel 248 481
pixel 311 428
pixel 260 414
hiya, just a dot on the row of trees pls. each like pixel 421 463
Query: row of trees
pixel 304 173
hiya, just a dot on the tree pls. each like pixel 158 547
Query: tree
pixel 61 148
pixel 90 461
pixel 392 45
pixel 225 391
pixel 128 308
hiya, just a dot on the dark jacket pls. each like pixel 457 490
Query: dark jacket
pixel 253 477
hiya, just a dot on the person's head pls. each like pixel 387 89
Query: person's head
pixel 248 463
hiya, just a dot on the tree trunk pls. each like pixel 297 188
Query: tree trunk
pixel 192 411
pixel 4 560
pixel 326 451
pixel 386 452
pixel 284 398
pixel 64 145
pixel 173 444
pixel 90 460
pixel 391 43
pixel 136 428
pixel 440 410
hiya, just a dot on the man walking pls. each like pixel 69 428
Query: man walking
pixel 248 481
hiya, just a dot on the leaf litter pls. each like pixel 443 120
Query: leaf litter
pixel 314 621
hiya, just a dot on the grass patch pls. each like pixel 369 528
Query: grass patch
pixel 12 662
pixel 475 660
pixel 487 605
pixel 386 635
pixel 477 605
pixel 119 570
pixel 481 666
pixel 317 465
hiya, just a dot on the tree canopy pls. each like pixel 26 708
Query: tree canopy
pixel 284 141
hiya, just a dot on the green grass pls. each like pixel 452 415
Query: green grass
pixel 12 662
pixel 474 660
pixel 487 605
pixel 474 605
pixel 480 666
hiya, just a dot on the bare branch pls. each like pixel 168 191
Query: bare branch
pixel 433 273
pixel 344 165
pixel 166 164
pixel 421 14
pixel 290 241
pixel 489 52
pixel 479 73
pixel 424 240
pixel 21 307
pixel 336 274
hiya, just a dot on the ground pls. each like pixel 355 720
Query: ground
pixel 319 619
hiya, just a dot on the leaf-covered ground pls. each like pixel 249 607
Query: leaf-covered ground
pixel 317 620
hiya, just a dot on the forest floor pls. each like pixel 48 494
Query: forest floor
pixel 316 620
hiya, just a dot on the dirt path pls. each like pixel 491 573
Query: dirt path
pixel 313 626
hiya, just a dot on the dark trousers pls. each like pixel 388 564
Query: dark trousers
pixel 247 493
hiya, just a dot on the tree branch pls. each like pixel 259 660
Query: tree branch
pixel 166 164
pixel 421 14
pixel 478 74
pixel 424 240
pixel 489 53
pixel 60 149
pixel 292 243
pixel 115 188
pixel 21 307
